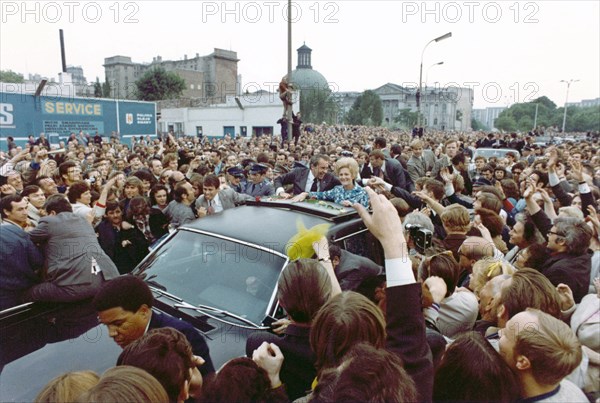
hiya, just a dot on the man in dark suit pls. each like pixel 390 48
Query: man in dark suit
pixel 396 152
pixel 388 170
pixel 124 305
pixel 76 264
pixel 126 248
pixel 405 324
pixel 350 269
pixel 19 257
pixel 214 200
pixel 315 179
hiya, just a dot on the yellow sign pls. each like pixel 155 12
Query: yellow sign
pixel 73 108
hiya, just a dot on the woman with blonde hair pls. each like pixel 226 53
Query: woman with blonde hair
pixel 126 384
pixel 346 194
pixel 486 269
pixel 67 388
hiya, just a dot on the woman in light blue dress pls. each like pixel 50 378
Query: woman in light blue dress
pixel 346 194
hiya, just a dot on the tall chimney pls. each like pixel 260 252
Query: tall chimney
pixel 62 51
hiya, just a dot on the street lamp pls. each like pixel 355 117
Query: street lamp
pixel 418 95
pixel 571 81
pixel 427 73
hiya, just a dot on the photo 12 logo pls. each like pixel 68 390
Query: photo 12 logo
pixel 68 11
pixel 453 12
pixel 269 11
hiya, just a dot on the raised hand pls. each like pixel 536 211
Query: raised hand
pixel 565 295
pixel 545 195
pixel 437 288
pixel 498 187
pixel 529 190
pixel 446 176
pixel 577 171
pixel 270 358
pixel 552 157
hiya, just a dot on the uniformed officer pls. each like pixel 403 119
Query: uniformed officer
pixel 257 183
pixel 235 178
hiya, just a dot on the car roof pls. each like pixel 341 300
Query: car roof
pixel 495 151
pixel 271 224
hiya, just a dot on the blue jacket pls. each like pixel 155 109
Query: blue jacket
pixel 19 258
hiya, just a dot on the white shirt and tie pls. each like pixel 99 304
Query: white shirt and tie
pixel 214 205
pixel 309 183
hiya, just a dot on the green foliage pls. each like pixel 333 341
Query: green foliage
pixel 406 118
pixel 158 84
pixel 545 101
pixel 583 119
pixel 505 122
pixel 97 88
pixel 318 106
pixel 367 110
pixel 9 76
pixel 106 89
pixel 521 117
pixel 477 125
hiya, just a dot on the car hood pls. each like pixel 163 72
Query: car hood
pixel 38 345
pixel 45 341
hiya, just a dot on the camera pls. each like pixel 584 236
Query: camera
pixel 422 237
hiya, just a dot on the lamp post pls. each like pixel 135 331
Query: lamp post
pixel 571 81
pixel 289 110
pixel 427 73
pixel 419 93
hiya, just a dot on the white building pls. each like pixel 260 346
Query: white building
pixel 254 114
pixel 447 108
pixel 585 103
pixel 65 87
pixel 488 116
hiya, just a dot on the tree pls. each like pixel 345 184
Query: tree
pixel 477 125
pixel 545 101
pixel 505 122
pixel 157 84
pixel 106 88
pixel 406 118
pixel 318 105
pixel 9 76
pixel 366 110
pixel 521 117
pixel 97 88
pixel 583 119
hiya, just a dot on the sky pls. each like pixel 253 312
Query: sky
pixel 508 51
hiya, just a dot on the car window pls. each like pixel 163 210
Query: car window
pixel 204 270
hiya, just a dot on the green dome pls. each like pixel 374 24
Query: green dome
pixel 309 79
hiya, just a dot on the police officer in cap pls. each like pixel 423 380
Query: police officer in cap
pixel 257 183
pixel 235 178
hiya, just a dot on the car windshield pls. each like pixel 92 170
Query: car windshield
pixel 223 274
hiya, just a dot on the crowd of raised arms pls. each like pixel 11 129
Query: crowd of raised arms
pixel 489 292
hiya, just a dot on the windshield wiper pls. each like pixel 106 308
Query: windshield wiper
pixel 153 286
pixel 212 311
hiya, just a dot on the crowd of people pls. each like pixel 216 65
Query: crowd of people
pixel 490 290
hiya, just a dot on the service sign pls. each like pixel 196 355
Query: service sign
pixel 58 117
